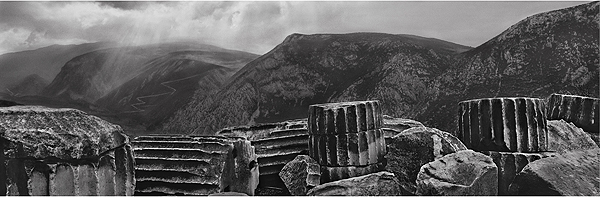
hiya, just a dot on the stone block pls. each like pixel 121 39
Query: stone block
pixel 300 175
pixel 565 136
pixel 399 124
pixel 415 147
pixel 374 184
pixel 570 174
pixel 464 173
pixel 194 165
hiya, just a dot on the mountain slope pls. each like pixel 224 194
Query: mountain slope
pixel 93 75
pixel 170 81
pixel 30 85
pixel 45 62
pixel 552 52
pixel 309 69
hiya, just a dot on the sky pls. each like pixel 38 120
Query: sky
pixel 253 26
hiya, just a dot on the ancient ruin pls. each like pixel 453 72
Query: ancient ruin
pixel 62 152
pixel 346 139
pixel 194 165
pixel 502 146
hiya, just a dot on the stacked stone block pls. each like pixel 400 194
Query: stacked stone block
pixel 62 152
pixel 512 131
pixel 580 110
pixel 346 139
pixel 276 144
pixel 194 165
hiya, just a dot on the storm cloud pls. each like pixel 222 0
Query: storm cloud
pixel 251 26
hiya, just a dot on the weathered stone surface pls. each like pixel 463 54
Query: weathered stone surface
pixel 194 165
pixel 464 173
pixel 375 184
pixel 344 117
pixel 329 174
pixel 351 149
pixel 399 124
pixel 245 178
pixel 415 147
pixel 503 124
pixel 564 136
pixel 595 137
pixel 571 174
pixel 62 133
pixel 62 152
pixel 228 194
pixel 265 130
pixel 275 144
pixel 580 110
pixel 301 174
pixel 511 163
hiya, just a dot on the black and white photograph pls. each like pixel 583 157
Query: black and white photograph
pixel 299 98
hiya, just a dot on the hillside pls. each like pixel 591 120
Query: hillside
pixel 308 69
pixel 552 52
pixel 170 81
pixel 45 62
pixel 30 85
pixel 90 76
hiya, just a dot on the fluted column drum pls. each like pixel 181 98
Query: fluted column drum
pixel 580 110
pixel 346 138
pixel 503 124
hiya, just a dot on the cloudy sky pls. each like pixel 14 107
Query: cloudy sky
pixel 252 26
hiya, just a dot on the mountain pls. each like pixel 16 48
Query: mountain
pixel 399 70
pixel 413 77
pixel 30 85
pixel 45 62
pixel 169 81
pixel 552 52
pixel 90 76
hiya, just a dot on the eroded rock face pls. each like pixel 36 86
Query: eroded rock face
pixel 62 152
pixel 62 133
pixel 465 173
pixel 375 184
pixel 564 136
pixel 503 124
pixel 415 147
pixel 571 174
pixel 300 175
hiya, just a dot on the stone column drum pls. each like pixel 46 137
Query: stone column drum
pixel 346 139
pixel 580 110
pixel 503 124
pixel 48 151
pixel 512 131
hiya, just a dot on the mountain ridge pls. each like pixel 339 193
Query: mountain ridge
pixel 426 84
